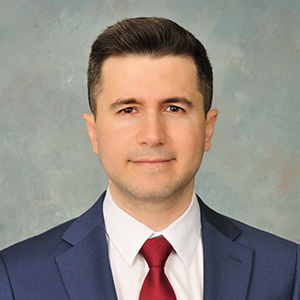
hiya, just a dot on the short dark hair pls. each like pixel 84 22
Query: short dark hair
pixel 152 36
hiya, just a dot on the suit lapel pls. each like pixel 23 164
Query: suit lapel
pixel 227 264
pixel 85 268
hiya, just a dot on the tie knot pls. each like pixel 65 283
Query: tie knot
pixel 156 251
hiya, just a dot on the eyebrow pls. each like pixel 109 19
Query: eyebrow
pixel 179 100
pixel 120 102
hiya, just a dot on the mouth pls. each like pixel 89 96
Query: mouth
pixel 152 162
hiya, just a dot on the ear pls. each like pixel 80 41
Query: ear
pixel 211 118
pixel 92 131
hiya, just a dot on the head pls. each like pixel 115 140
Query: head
pixel 155 37
pixel 150 90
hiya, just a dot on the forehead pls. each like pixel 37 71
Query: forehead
pixel 146 73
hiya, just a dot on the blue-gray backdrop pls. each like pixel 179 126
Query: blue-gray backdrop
pixel 48 171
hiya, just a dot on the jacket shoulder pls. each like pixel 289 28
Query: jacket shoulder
pixel 257 238
pixel 48 243
pixel 241 232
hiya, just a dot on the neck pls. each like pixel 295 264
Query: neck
pixel 156 214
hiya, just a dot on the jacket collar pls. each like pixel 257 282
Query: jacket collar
pixel 85 268
pixel 227 264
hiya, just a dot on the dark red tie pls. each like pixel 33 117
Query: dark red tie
pixel 156 285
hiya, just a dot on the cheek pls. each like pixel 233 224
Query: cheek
pixel 192 137
pixel 192 144
pixel 112 145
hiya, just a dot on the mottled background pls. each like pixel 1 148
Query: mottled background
pixel 48 171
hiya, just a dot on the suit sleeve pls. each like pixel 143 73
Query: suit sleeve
pixel 296 292
pixel 5 286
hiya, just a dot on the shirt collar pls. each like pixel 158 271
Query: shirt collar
pixel 183 234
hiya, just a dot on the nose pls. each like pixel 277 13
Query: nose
pixel 152 130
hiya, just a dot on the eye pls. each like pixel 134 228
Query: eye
pixel 174 109
pixel 128 110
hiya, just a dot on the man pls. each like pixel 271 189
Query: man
pixel 150 93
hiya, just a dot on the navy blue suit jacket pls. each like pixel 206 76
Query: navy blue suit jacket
pixel 70 262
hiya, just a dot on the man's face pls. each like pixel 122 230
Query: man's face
pixel 151 130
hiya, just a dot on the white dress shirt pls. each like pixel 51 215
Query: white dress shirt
pixel 125 237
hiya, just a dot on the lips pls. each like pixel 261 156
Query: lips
pixel 146 158
pixel 152 161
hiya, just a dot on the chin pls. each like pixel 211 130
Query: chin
pixel 156 192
